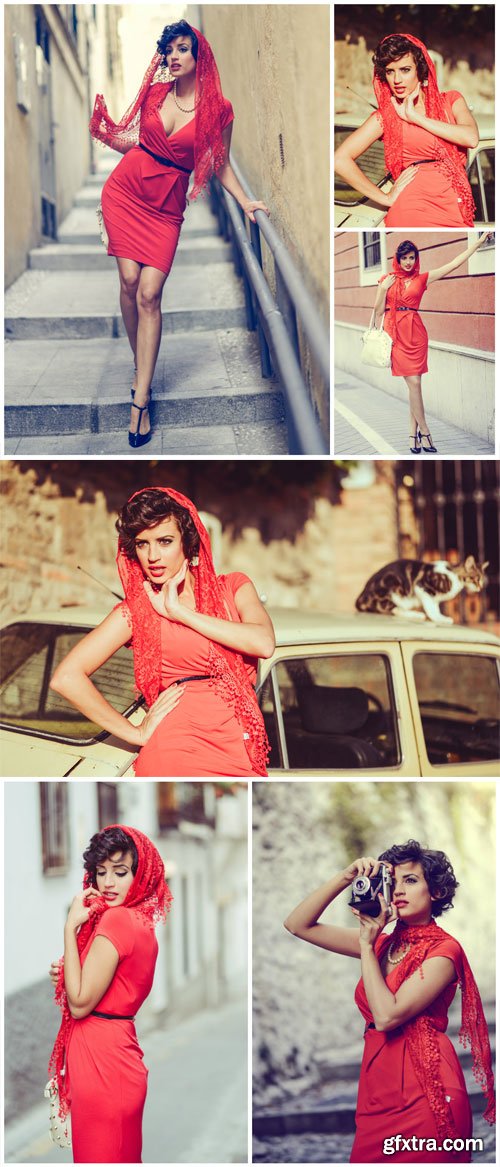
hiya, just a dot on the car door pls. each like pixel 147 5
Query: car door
pixel 339 709
pixel 455 695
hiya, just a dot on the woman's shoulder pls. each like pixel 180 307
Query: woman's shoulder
pixel 452 95
pixel 227 115
pixel 234 580
pixel 446 945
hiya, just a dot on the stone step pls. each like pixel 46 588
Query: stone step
pixel 93 256
pixel 59 304
pixel 245 439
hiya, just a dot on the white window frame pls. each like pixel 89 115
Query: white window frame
pixel 482 262
pixel 369 277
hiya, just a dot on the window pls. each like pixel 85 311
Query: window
pixel 331 713
pixel 371 162
pixel 55 827
pixel 371 249
pixel 107 803
pixel 184 801
pixel 482 180
pixel 372 257
pixel 459 699
pixel 30 654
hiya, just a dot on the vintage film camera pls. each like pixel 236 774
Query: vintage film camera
pixel 365 891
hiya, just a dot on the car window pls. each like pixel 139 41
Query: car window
pixel 337 712
pixel 30 654
pixel 482 180
pixel 372 164
pixel 459 700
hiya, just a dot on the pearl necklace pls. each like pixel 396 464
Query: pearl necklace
pixel 174 92
pixel 398 959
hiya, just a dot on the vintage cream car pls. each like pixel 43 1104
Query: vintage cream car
pixel 341 696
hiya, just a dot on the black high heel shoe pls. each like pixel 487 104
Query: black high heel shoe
pixel 416 439
pixel 137 439
pixel 430 449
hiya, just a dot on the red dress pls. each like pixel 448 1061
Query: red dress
pixel 201 737
pixel 390 1099
pixel 429 200
pixel 107 1079
pixel 410 342
pixel 143 201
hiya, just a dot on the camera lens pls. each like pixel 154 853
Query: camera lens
pixel 361 885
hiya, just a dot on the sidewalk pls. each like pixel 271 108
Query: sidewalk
pixel 368 421
pixel 196 1109
pixel 68 367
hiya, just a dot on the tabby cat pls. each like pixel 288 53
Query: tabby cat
pixel 407 586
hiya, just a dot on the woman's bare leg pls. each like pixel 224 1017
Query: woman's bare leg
pixel 417 412
pixel 129 271
pixel 148 300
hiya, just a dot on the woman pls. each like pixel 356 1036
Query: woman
pixel 178 123
pixel 403 291
pixel 426 135
pixel 411 1082
pixel 196 639
pixel 110 952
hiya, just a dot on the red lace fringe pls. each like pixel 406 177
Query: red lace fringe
pixel 226 667
pixel 450 158
pixel 399 286
pixel 421 1032
pixel 149 896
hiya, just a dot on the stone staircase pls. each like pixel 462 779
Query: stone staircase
pixel 69 366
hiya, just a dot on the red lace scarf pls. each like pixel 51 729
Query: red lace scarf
pixel 225 665
pixel 421 1033
pixel 451 158
pixel 150 897
pixel 399 287
pixel 209 149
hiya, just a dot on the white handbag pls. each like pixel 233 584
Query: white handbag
pixel 102 227
pixel 377 345
pixel 59 1128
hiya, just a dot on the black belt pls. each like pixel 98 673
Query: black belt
pixel 403 309
pixel 195 677
pixel 111 1016
pixel 164 161
pixel 423 162
pixel 369 1025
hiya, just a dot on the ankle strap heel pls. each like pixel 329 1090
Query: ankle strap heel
pixel 415 438
pixel 430 449
pixel 137 439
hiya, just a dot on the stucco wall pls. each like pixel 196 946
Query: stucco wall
pixel 22 178
pixel 274 66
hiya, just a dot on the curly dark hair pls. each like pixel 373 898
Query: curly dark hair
pixel 437 869
pixel 171 31
pixel 147 509
pixel 405 249
pixel 391 49
pixel 105 844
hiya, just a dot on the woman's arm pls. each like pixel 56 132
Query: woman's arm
pixel 228 180
pixel 254 636
pixel 380 298
pixel 464 133
pixel 345 165
pixel 439 272
pixel 390 1010
pixel 303 921
pixel 86 984
pixel 72 680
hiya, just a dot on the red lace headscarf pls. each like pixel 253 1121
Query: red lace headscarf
pixel 225 665
pixel 399 286
pixel 450 158
pixel 149 896
pixel 421 1033
pixel 209 149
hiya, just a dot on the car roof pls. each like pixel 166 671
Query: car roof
pixel 294 626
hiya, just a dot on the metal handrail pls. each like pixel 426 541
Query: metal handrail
pixel 276 320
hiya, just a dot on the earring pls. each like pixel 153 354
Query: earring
pixel 194 561
pixel 425 84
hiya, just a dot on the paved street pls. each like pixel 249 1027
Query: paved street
pixel 368 421
pixel 69 367
pixel 196 1110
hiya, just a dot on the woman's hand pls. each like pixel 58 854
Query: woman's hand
pixel 249 206
pixel 54 971
pixel 160 709
pixel 405 177
pixel 408 109
pixel 366 865
pixel 371 926
pixel 388 281
pixel 80 908
pixel 166 602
